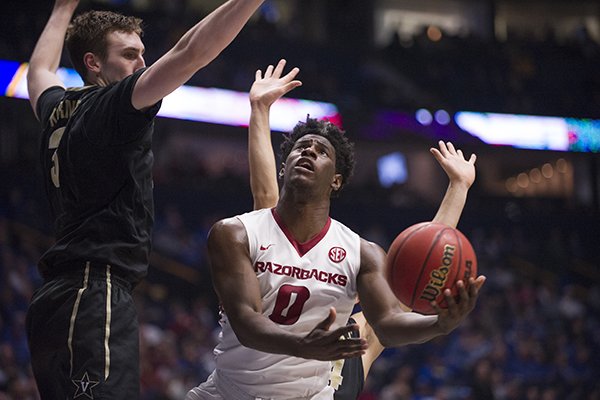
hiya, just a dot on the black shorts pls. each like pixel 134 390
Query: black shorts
pixel 83 337
pixel 352 376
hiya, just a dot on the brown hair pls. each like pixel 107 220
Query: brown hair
pixel 87 33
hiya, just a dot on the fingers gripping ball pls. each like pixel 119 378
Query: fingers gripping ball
pixel 426 258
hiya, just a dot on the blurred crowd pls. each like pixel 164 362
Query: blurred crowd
pixel 534 335
pixel 456 72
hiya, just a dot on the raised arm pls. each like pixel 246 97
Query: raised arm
pixel 238 289
pixel 394 326
pixel 264 92
pixel 196 48
pixel 46 55
pixel 461 173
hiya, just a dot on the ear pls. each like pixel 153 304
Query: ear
pixel 282 171
pixel 336 184
pixel 92 63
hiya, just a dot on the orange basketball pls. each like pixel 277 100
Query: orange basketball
pixel 426 258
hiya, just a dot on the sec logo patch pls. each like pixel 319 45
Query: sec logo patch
pixel 337 254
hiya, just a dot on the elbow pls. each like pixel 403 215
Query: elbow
pixel 194 56
pixel 386 341
pixel 383 335
pixel 249 340
pixel 245 340
pixel 246 334
pixel 265 200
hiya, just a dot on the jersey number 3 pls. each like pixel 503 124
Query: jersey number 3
pixel 289 303
pixel 53 144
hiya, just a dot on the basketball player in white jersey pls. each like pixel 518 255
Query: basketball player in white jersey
pixel 347 376
pixel 288 278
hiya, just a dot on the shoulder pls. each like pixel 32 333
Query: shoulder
pixel 341 226
pixel 256 217
pixel 53 93
pixel 119 94
pixel 345 231
pixel 371 249
pixel 47 100
pixel 372 255
pixel 226 234
pixel 235 228
pixel 226 227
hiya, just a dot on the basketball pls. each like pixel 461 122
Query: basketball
pixel 426 258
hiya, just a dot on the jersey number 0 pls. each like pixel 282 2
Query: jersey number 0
pixel 289 304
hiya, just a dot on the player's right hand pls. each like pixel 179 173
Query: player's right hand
pixel 454 163
pixel 458 308
pixel 325 345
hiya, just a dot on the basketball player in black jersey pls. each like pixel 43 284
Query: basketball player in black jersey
pixel 97 168
pixel 348 375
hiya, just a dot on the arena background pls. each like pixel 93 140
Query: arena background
pixel 400 73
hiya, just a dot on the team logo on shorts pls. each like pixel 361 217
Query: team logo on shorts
pixel 84 386
pixel 337 254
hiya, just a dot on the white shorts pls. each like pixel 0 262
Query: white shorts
pixel 212 390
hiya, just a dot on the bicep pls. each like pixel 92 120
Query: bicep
pixel 38 80
pixel 160 79
pixel 376 297
pixel 232 272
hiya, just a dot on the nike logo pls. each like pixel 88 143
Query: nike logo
pixel 265 248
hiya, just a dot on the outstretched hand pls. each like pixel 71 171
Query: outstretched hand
pixel 458 309
pixel 271 86
pixel 457 167
pixel 325 345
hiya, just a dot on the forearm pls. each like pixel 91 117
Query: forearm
pixel 452 205
pixel 258 332
pixel 48 49
pixel 407 328
pixel 263 181
pixel 197 48
pixel 214 33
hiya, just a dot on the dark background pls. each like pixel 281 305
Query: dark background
pixel 534 334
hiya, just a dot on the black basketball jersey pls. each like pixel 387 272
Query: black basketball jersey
pixel 97 167
pixel 353 375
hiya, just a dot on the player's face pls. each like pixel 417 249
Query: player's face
pixel 312 159
pixel 124 56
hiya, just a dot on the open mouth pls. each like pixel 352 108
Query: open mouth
pixel 303 163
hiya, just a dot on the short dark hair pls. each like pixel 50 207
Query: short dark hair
pixel 87 33
pixel 344 149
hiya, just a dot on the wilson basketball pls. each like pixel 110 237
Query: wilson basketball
pixel 426 258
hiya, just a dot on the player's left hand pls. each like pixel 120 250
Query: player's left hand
pixel 270 86
pixel 458 309
pixel 457 167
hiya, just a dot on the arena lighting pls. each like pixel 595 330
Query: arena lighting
pixel 424 116
pixel 218 106
pixel 532 132
pixel 392 169
pixel 442 117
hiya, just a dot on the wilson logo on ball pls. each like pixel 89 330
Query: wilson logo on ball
pixel 424 260
pixel 439 276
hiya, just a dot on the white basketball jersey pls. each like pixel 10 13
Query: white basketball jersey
pixel 299 282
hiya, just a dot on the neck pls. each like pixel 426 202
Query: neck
pixel 96 80
pixel 304 219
